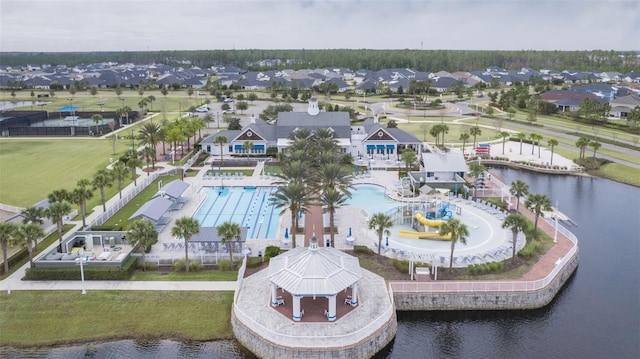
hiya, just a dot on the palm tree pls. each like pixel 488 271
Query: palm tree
pixel 293 197
pixel 151 135
pixel 97 118
pixel 80 195
pixel 332 199
pixel 33 215
pixel 102 179
pixel 144 233
pixel 533 137
pixel 247 145
pixel 458 232
pixel 518 189
pixel 198 124
pixel 475 131
pixel 552 143
pixel 185 228
pixel 7 233
pixel 149 154
pixel 517 223
pixel 229 231
pixel 444 129
pixel 475 170
pixel 537 138
pixel 521 136
pixel 435 132
pixel 56 213
pixel 538 203
pixel 408 156
pixel 504 135
pixel 28 235
pixel 119 171
pixel 58 195
pixel 133 161
pixel 596 145
pixel 581 144
pixel 221 140
pixel 380 222
pixel 332 175
pixel 464 137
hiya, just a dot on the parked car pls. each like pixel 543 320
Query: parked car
pixel 227 100
pixel 229 112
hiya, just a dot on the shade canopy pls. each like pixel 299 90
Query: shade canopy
pixel 153 209
pixel 314 272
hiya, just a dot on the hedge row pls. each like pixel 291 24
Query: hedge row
pixel 123 272
pixel 16 258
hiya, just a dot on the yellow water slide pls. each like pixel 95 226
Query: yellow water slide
pixel 424 235
pixel 429 222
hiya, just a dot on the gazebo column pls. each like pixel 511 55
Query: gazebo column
pixel 332 308
pixel 274 294
pixel 296 308
pixel 354 294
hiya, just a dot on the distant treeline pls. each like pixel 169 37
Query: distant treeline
pixel 421 60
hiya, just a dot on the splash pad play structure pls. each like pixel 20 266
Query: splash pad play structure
pixel 427 227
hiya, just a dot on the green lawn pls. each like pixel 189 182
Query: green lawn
pixel 43 318
pixel 31 168
pixel 416 128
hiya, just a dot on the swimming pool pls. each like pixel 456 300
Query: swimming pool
pixel 247 206
pixel 371 198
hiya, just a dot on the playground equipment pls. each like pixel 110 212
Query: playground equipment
pixel 446 215
pixel 424 235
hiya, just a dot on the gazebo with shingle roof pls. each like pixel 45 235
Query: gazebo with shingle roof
pixel 314 272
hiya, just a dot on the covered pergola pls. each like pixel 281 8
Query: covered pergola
pixel 153 211
pixel 314 272
pixel 209 240
pixel 173 191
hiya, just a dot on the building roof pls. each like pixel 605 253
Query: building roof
pixel 338 121
pixel 309 272
pixel 173 190
pixel 153 209
pixel 444 162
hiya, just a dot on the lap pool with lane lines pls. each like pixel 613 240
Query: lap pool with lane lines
pixel 247 206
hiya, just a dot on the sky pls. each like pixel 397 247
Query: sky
pixel 142 25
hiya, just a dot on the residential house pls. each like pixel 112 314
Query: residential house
pixel 621 106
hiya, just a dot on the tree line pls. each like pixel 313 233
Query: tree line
pixel 421 60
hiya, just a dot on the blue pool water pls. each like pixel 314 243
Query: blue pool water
pixel 247 206
pixel 371 198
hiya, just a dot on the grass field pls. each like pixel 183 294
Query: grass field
pixel 42 318
pixel 31 168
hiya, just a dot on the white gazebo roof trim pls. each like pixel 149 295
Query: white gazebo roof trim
pixel 324 271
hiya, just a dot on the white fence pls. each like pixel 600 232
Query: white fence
pixel 126 197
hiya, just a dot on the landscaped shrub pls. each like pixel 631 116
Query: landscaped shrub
pixel 530 249
pixel 16 258
pixel 224 265
pixel 195 266
pixel 270 252
pixel 362 250
pixel 253 262
pixel 401 265
pixel 152 266
pixel 179 265
pixel 484 268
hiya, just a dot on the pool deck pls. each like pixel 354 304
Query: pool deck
pixel 346 217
